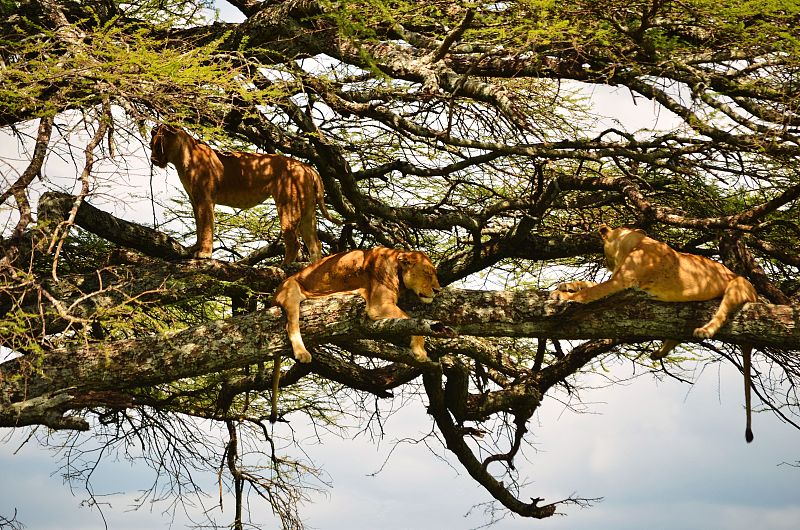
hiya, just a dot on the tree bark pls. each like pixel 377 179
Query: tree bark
pixel 62 377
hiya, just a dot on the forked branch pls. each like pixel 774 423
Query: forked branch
pixel 454 440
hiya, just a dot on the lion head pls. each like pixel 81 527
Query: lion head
pixel 618 243
pixel 158 148
pixel 419 275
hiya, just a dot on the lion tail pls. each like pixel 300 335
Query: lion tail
pixel 747 352
pixel 276 385
pixel 320 189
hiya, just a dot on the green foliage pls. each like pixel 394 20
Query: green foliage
pixel 16 331
pixel 174 13
pixel 121 62
pixel 8 6
pixel 455 169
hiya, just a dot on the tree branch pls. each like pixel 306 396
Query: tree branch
pixel 55 207
pixel 244 340
pixel 20 188
pixel 453 36
pixel 455 443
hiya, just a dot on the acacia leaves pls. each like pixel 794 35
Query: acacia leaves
pixel 45 74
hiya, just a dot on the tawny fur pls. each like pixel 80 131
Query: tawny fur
pixel 243 180
pixel 637 261
pixel 377 275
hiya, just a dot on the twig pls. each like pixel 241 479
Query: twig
pixel 452 37
pixel 102 127
pixel 19 188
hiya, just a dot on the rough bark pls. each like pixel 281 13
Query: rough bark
pixel 54 207
pixel 437 127
pixel 253 338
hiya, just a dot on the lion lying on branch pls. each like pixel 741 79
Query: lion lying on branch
pixel 377 275
pixel 637 261
pixel 243 180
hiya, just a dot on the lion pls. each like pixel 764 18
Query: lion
pixel 243 180
pixel 378 275
pixel 637 261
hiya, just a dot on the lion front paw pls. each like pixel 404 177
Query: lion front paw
pixel 420 355
pixel 302 356
pixel 560 295
pixel 575 286
pixel 706 332
pixel 567 290
pixel 418 348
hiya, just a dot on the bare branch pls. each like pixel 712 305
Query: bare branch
pixel 20 188
pixel 453 36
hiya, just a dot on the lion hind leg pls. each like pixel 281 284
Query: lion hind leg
pixel 289 298
pixel 319 193
pixel 738 292
pixel 291 244
pixel 308 228
pixel 289 216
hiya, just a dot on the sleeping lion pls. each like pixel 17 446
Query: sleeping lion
pixel 377 275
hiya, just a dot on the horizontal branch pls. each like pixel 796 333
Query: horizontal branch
pixel 628 316
pixel 245 340
pixel 134 279
pixel 55 207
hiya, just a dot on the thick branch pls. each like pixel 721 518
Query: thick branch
pixel 55 207
pixel 245 340
pixel 132 278
pixel 455 443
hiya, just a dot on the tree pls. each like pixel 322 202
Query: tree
pixel 460 129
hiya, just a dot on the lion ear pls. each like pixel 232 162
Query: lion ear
pixel 603 230
pixel 405 258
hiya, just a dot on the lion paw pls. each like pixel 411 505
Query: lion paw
pixel 575 286
pixel 420 355
pixel 560 295
pixel 302 356
pixel 706 332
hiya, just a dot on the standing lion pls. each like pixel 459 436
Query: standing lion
pixel 243 180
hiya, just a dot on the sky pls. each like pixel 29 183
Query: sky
pixel 661 454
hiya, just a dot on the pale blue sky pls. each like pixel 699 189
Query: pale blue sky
pixel 662 454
